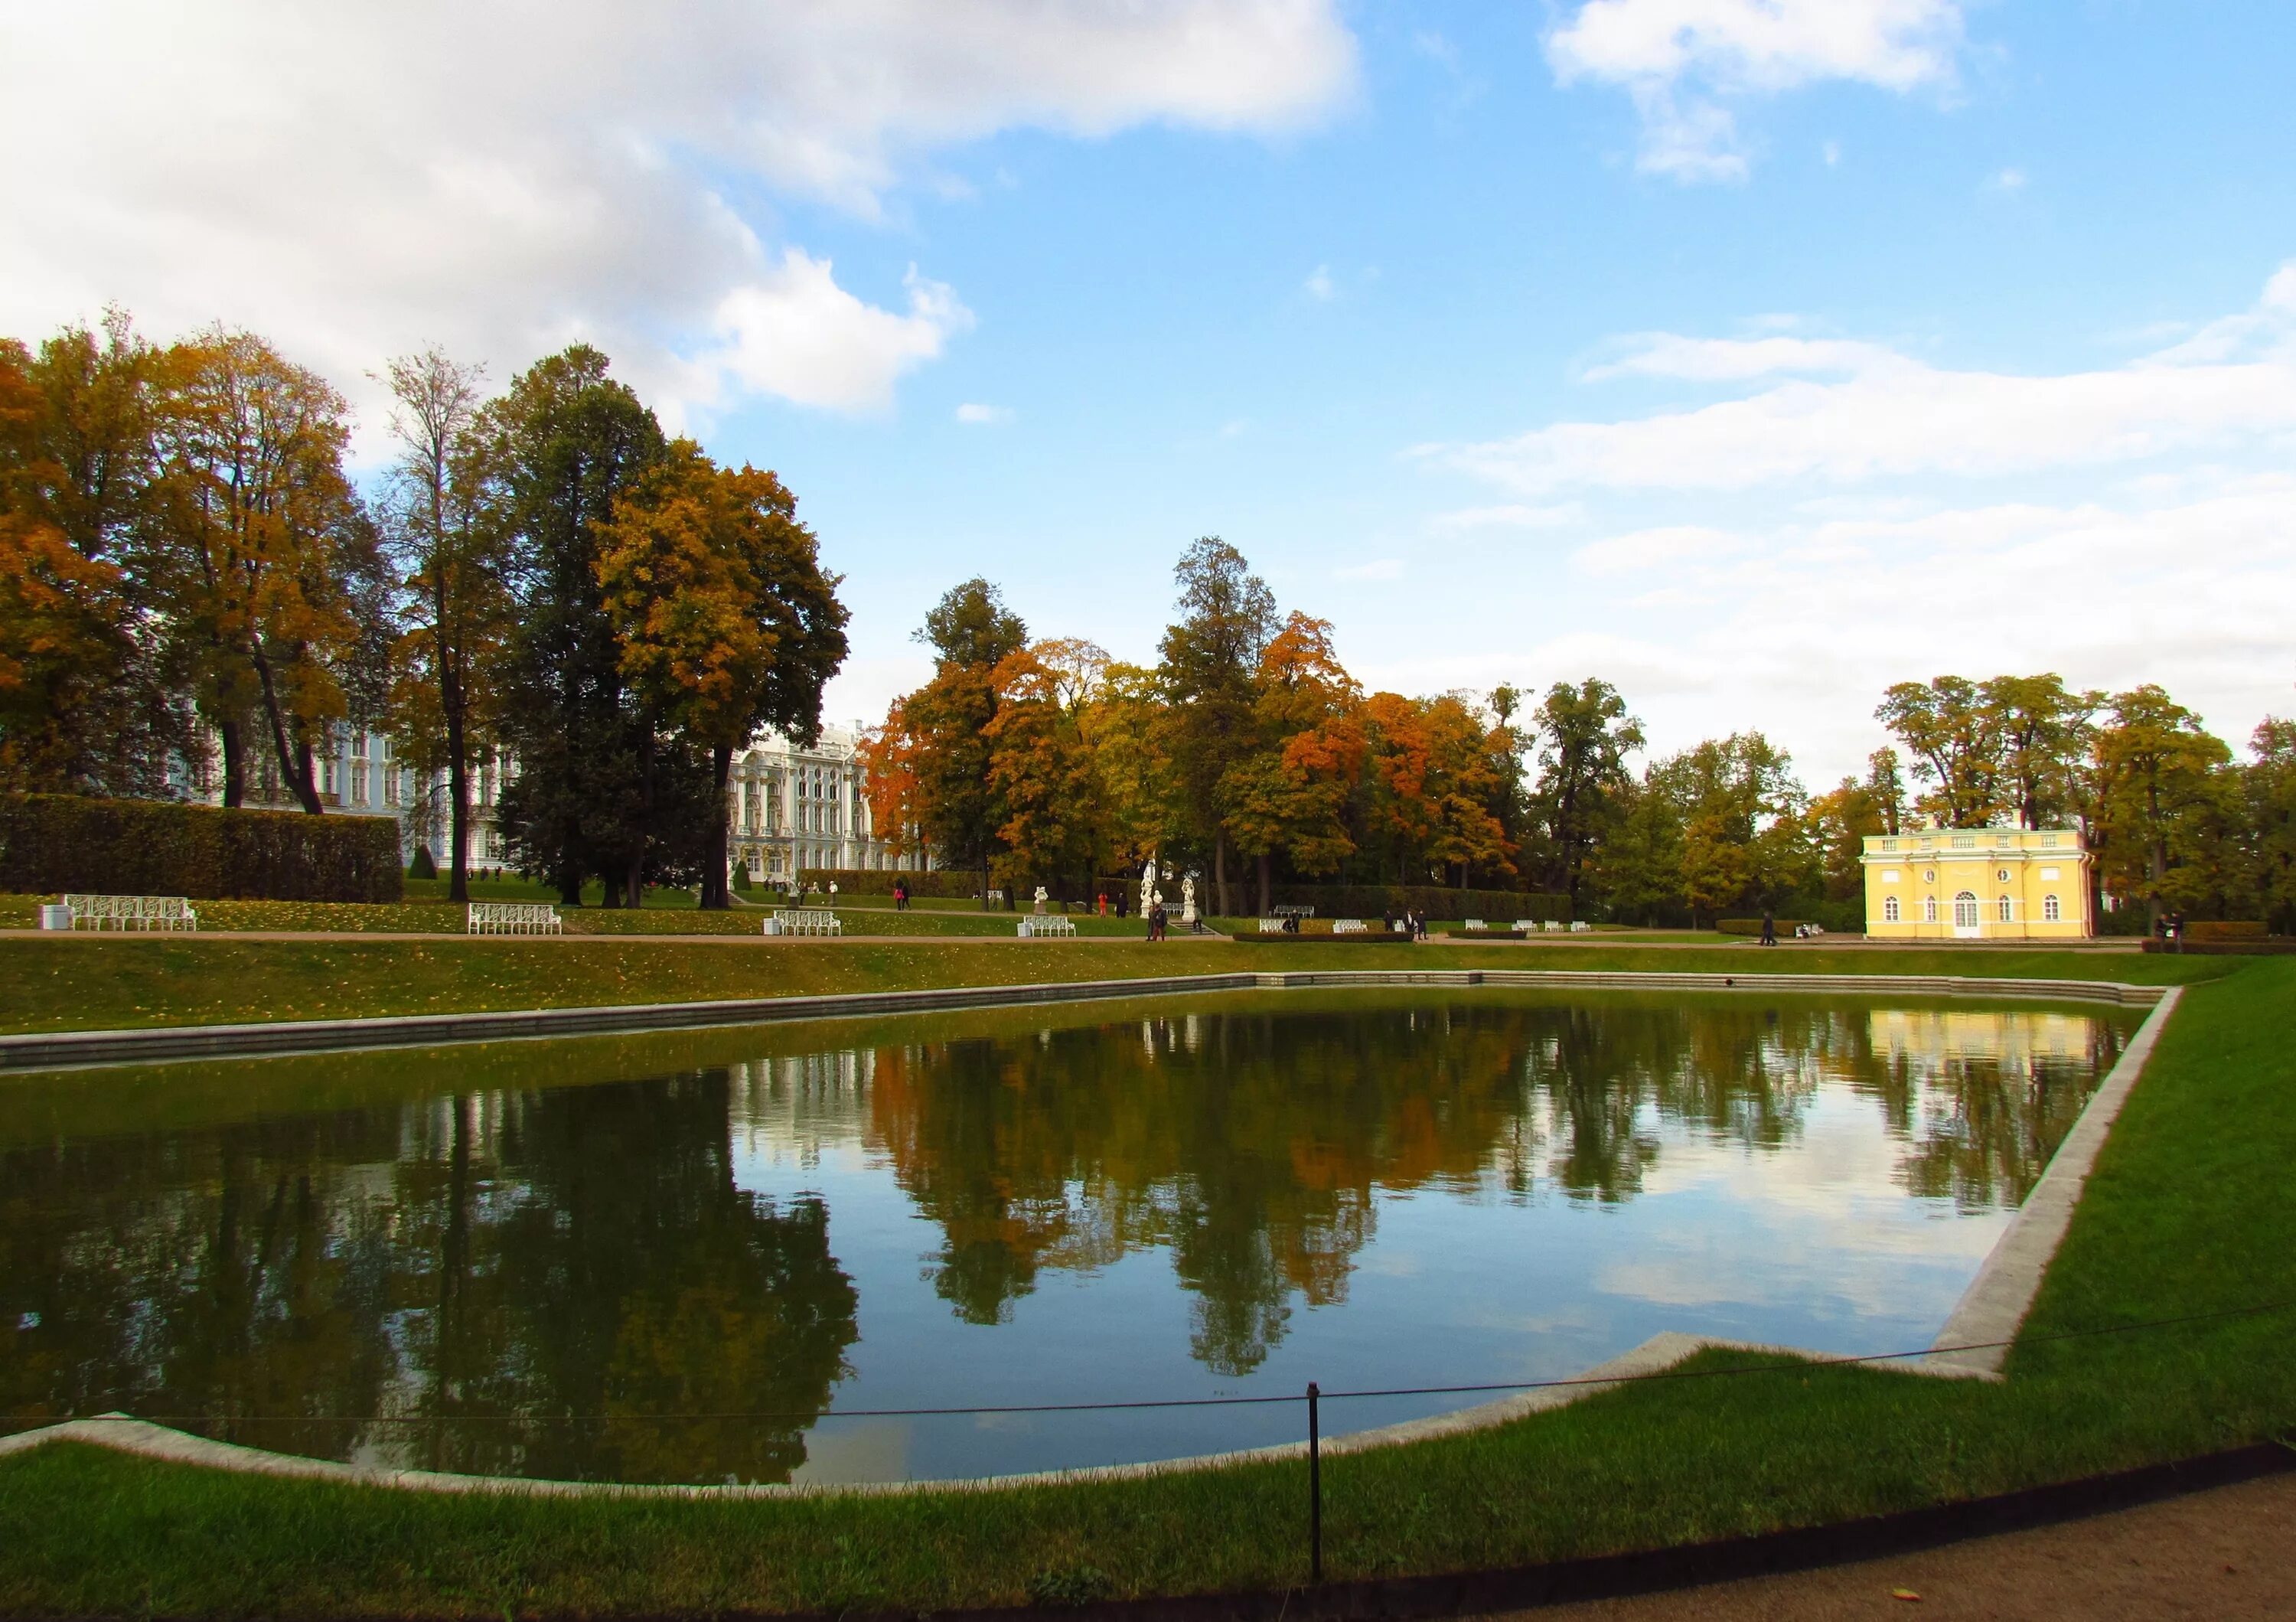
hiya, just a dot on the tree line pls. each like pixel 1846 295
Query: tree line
pixel 1248 753
pixel 192 582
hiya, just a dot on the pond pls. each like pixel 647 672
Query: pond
pixel 666 1259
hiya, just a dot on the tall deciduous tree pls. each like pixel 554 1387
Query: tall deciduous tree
pixel 1040 771
pixel 2161 796
pixel 1585 737
pixel 728 622
pixel 448 539
pixel 261 526
pixel 2045 732
pixel 1291 794
pixel 594 788
pixel 1211 654
pixel 1954 735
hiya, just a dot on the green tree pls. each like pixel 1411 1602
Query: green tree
pixel 2269 791
pixel 2045 732
pixel 1954 737
pixel 1210 655
pixel 1585 737
pixel 2162 802
pixel 594 793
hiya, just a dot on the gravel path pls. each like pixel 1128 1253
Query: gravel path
pixel 2227 1553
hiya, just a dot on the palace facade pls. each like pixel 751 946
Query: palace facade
pixel 789 808
pixel 1978 884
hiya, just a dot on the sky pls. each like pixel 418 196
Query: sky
pixel 1750 355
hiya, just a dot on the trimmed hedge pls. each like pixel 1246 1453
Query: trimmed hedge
pixel 947 884
pixel 1428 900
pixel 51 843
pixel 1753 926
pixel 2225 929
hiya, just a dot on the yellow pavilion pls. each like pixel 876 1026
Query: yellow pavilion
pixel 1978 884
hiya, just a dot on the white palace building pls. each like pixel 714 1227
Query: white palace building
pixel 790 808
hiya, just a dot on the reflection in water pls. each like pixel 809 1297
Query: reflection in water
pixel 571 1281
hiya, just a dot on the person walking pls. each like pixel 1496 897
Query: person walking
pixel 1769 928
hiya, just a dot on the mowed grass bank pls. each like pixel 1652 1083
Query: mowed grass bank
pixel 2184 1215
pixel 90 982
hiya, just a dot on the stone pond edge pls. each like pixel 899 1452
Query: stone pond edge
pixel 1971 1346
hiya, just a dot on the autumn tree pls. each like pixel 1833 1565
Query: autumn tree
pixel 447 540
pixel 1291 793
pixel 261 528
pixel 935 749
pixel 1584 737
pixel 728 622
pixel 1040 767
pixel 1210 655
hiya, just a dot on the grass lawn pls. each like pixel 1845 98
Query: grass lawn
pixel 108 982
pixel 2186 1213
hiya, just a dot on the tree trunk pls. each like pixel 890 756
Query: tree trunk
pixel 713 896
pixel 1220 872
pixel 294 759
pixel 234 763
pixel 1267 892
pixel 458 788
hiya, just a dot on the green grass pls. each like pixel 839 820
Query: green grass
pixel 2186 1213
pixel 91 982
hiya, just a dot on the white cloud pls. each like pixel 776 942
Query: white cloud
pixel 1648 549
pixel 355 180
pixel 978 416
pixel 1896 416
pixel 2010 180
pixel 1682 60
pixel 1508 516
pixel 1733 359
pixel 1319 283
pixel 1377 568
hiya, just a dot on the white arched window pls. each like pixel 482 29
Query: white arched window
pixel 1929 909
pixel 2050 912
pixel 1890 910
pixel 2004 909
pixel 1964 911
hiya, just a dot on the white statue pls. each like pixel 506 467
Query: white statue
pixel 1188 899
pixel 1043 895
pixel 1149 895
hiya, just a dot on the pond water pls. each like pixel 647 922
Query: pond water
pixel 666 1259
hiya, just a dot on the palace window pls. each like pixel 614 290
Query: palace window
pixel 1888 844
pixel 1890 910
pixel 1929 909
pixel 2050 912
pixel 1964 911
pixel 1965 841
pixel 2002 873
pixel 2048 839
pixel 2004 909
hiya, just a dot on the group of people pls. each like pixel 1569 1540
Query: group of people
pixel 1414 922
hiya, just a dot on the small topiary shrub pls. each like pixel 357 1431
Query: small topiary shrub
pixel 423 867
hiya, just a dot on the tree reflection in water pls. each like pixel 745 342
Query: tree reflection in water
pixel 567 1281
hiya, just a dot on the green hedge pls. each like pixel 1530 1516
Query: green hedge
pixel 1498 906
pixel 1753 926
pixel 51 843
pixel 947 884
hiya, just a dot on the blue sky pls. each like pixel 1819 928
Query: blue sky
pixel 1751 354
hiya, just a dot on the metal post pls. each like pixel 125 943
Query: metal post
pixel 1315 1489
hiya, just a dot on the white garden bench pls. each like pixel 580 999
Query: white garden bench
pixel 1035 928
pixel 132 913
pixel 1580 926
pixel 1350 926
pixel 1550 927
pixel 1290 910
pixel 1526 926
pixel 804 920
pixel 514 918
pixel 1475 925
